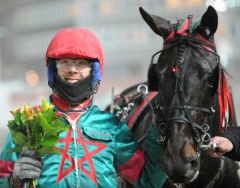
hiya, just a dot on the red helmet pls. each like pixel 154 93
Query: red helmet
pixel 75 43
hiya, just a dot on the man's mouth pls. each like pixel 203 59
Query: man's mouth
pixel 71 80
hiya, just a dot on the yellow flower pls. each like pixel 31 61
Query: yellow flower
pixel 26 109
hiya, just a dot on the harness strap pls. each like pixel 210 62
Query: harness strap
pixel 193 125
pixel 187 107
pixel 190 39
pixel 141 104
pixel 179 119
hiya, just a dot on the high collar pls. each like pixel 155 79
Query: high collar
pixel 66 106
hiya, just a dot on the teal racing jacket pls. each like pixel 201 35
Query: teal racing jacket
pixel 105 146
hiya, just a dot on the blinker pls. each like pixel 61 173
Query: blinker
pixel 152 78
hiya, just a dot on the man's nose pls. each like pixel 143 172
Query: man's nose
pixel 72 66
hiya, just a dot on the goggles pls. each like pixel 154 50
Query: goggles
pixel 80 64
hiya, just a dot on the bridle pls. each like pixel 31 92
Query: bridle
pixel 188 39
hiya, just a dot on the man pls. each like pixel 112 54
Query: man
pixel 98 144
pixel 228 143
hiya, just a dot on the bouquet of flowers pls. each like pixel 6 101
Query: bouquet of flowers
pixel 36 128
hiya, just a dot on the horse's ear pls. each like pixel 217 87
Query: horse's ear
pixel 159 25
pixel 209 23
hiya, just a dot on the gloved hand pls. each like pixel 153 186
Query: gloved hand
pixel 28 166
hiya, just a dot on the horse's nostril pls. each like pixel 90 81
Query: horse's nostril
pixel 195 163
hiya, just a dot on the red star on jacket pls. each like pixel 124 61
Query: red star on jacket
pixel 87 157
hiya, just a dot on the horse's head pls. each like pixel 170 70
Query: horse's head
pixel 186 77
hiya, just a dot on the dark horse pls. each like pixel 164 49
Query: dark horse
pixel 189 102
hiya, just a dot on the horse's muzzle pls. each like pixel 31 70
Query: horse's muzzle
pixel 180 169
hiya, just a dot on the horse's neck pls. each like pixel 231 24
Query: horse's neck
pixel 141 127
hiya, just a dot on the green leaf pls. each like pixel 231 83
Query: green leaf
pixel 49 115
pixel 44 104
pixel 57 124
pixel 12 125
pixel 50 140
pixel 36 131
pixel 60 124
pixel 44 124
pixel 54 132
pixel 58 128
pixel 23 118
pixel 19 138
pixel 15 149
pixel 45 150
pixel 64 128
pixel 17 118
pixel 11 122
pixel 27 144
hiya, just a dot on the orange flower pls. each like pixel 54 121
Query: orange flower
pixel 14 111
pixel 29 118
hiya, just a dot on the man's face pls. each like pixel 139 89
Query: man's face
pixel 73 70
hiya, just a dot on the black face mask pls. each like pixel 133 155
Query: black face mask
pixel 72 92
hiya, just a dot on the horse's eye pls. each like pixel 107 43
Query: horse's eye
pixel 210 80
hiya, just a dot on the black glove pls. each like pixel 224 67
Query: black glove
pixel 28 166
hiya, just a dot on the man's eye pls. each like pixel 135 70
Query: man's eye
pixel 65 62
pixel 82 63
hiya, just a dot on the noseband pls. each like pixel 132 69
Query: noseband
pixel 187 39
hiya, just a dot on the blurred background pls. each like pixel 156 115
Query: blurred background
pixel 27 26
